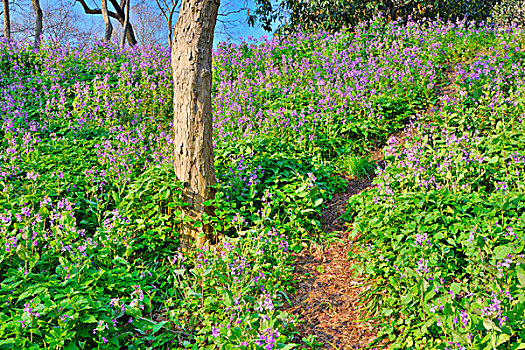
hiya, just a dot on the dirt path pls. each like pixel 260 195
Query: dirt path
pixel 326 300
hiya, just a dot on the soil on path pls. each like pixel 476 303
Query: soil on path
pixel 326 299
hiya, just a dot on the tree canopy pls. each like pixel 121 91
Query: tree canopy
pixel 332 15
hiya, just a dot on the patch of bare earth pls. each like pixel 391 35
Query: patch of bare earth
pixel 326 300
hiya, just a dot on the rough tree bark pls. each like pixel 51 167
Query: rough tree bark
pixel 118 15
pixel 191 60
pixel 38 22
pixel 126 23
pixel 7 21
pixel 107 21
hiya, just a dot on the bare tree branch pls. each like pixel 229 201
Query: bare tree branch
pixel 118 15
pixel 224 14
pixel 149 25
pixel 167 11
pixel 90 11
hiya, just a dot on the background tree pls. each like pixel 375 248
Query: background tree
pixel 107 20
pixel 510 12
pixel 7 21
pixel 125 26
pixel 191 61
pixel 61 24
pixel 226 24
pixel 149 25
pixel 332 15
pixel 167 8
pixel 118 14
pixel 38 22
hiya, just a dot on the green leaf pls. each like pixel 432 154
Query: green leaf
pixel 489 325
pixel 387 312
pixel 120 260
pixel 228 297
pixel 460 338
pixel 33 260
pixel 502 338
pixel 493 160
pixel 7 344
pixel 455 287
pixel 301 189
pixel 88 319
pixel 521 277
pixel 501 252
pixel 133 311
pixel 286 347
pixel 158 326
pixel 406 299
pixel 23 253
pixel 297 247
pixel 24 295
pixel 62 261
pixel 71 346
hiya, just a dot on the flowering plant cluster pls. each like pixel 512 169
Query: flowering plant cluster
pixel 443 231
pixel 90 206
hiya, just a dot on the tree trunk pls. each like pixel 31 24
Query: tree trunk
pixel 7 21
pixel 391 9
pixel 130 35
pixel 126 23
pixel 170 34
pixel 107 21
pixel 118 15
pixel 38 22
pixel 191 61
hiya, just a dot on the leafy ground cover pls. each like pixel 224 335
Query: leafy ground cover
pixel 90 206
pixel 442 233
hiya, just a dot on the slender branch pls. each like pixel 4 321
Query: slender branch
pixel 90 11
pixel 118 15
pixel 118 8
pixel 232 12
pixel 230 21
pixel 168 17
pixel 162 10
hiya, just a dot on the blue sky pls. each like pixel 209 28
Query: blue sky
pixel 236 22
pixel 239 20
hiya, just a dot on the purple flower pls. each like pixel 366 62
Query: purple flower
pixel 422 266
pixel 215 332
pixel 268 338
pixel 464 318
